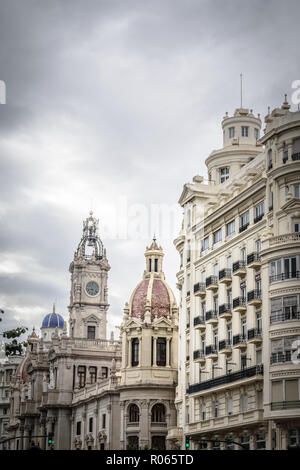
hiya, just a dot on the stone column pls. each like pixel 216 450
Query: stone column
pixel 168 353
pixel 110 427
pixel 154 352
pixel 252 442
pixel 43 428
pixel 27 430
pixel 284 439
pixel 129 353
pixel 22 437
pixel 122 416
pixel 96 430
pixel 84 425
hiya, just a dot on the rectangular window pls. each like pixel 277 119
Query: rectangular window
pixel 217 236
pixel 292 390
pixel 231 132
pixel 81 376
pixel 78 428
pixel 203 412
pixel 297 190
pixel 229 405
pixel 259 211
pixel 244 220
pixel 229 333
pixel 224 174
pixel 135 352
pixel 245 130
pixel 256 133
pixel 161 351
pixel 205 244
pixel 104 372
pixel 91 425
pixel 271 201
pixel 229 297
pixel 260 441
pixel 103 421
pixel 230 228
pixel 297 227
pixel 155 265
pixel 244 403
pixel 258 321
pixel 93 374
pixel 216 409
pixel 91 333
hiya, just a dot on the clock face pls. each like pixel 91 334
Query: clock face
pixel 92 288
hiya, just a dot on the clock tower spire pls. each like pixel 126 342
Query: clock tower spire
pixel 88 297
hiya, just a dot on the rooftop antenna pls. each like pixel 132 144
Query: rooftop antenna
pixel 241 77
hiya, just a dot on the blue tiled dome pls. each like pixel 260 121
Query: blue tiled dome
pixel 53 320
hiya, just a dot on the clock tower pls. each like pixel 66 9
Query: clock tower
pixel 88 298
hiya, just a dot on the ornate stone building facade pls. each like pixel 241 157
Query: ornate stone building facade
pixel 149 333
pixel 239 369
pixel 89 392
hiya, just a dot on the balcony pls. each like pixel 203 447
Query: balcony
pixel 239 304
pixel 225 311
pixel 212 317
pixel 254 297
pixel 255 371
pixel 225 347
pixel 211 352
pixel 239 268
pixel 199 356
pixel 254 336
pixel 258 218
pixel 225 276
pixel 239 341
pixel 199 323
pixel 280 316
pixel 285 405
pixel 285 276
pixel 243 227
pixel 199 289
pixel 296 156
pixel 253 261
pixel 281 357
pixel 212 283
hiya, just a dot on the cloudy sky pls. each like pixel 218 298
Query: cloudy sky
pixel 113 105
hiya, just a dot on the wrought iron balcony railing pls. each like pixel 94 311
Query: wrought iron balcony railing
pixel 239 339
pixel 225 344
pixel 284 276
pixel 239 302
pixel 254 295
pixel 238 265
pixel 228 378
pixel 199 287
pixel 243 227
pixel 224 273
pixel 211 350
pixel 280 316
pixel 225 308
pixel 211 280
pixel 254 333
pixel 281 357
pixel 285 405
pixel 199 320
pixel 253 257
pixel 211 315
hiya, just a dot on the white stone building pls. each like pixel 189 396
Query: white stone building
pixel 239 329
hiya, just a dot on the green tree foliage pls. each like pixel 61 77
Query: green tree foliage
pixel 14 346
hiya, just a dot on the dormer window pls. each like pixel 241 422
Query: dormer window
pixel 231 132
pixel 245 131
pixel 224 174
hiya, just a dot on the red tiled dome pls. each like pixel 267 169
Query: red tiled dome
pixel 159 299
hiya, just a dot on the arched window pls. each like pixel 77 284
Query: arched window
pixel 134 414
pixel 135 352
pixel 158 414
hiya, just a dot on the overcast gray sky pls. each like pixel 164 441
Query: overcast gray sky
pixel 113 105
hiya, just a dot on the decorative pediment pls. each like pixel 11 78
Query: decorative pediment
pixel 162 322
pixel 133 322
pixel 292 205
pixel 91 319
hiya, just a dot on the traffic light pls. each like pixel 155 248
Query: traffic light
pixel 187 442
pixel 50 438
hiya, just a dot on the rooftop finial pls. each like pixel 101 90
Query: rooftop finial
pixel 154 238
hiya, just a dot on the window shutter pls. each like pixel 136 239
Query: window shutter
pixel 277 391
pixel 292 390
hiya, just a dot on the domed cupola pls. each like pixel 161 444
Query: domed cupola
pixel 50 323
pixel 152 294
